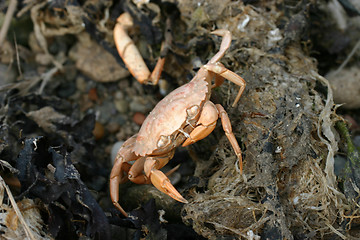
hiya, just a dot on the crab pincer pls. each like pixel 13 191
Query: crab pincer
pixel 161 181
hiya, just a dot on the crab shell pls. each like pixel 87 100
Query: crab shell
pixel 169 115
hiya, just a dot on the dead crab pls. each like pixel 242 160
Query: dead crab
pixel 183 117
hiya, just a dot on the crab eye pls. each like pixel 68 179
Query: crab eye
pixel 192 111
pixel 163 141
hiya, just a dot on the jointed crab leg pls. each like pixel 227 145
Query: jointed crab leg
pixel 225 44
pixel 121 165
pixel 160 180
pixel 214 66
pixel 135 173
pixel 230 75
pixel 225 121
pixel 207 123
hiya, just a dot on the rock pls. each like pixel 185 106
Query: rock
pixel 121 105
pixel 98 130
pixel 107 111
pixel 140 104
pixel 96 62
pixel 139 118
pixel 346 87
pixel 114 151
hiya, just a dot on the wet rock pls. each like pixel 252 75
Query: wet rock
pixel 115 148
pixel 346 87
pixel 139 118
pixel 138 194
pixel 98 130
pixel 140 104
pixel 107 111
pixel 96 62
pixel 112 127
pixel 121 105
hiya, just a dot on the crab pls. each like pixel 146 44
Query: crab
pixel 131 55
pixel 183 117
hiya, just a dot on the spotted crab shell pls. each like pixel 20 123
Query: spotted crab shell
pixel 169 115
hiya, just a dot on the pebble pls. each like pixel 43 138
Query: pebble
pixel 90 57
pixel 92 94
pixel 119 95
pixel 356 141
pixel 138 104
pixel 107 111
pixel 139 118
pixel 112 127
pixel 346 87
pixel 121 105
pixel 98 131
pixel 115 148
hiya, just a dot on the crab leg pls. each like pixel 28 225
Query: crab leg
pixel 207 123
pixel 131 55
pixel 136 174
pixel 225 44
pixel 121 165
pixel 229 75
pixel 225 121
pixel 160 180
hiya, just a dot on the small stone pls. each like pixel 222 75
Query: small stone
pixel 98 131
pixel 114 151
pixel 138 104
pixel 66 89
pixel 121 105
pixel 139 118
pixel 113 127
pixel 119 95
pixel 107 111
pixel 95 62
pixel 7 53
pixel 93 96
pixel 81 84
pixel 346 87
pixel 97 183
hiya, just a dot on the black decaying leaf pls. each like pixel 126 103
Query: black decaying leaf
pixel 47 173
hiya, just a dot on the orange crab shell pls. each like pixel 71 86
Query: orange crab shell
pixel 169 116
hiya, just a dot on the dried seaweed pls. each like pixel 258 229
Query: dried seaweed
pixel 286 126
pixel 25 212
pixel 48 174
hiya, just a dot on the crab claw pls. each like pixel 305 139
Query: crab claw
pixel 162 182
